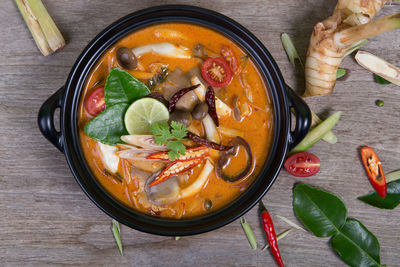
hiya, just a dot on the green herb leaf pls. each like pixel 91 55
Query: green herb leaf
pixel 321 212
pixel 161 132
pixel 249 233
pixel 179 131
pixel 176 148
pixel 108 126
pixel 340 73
pixel 116 230
pixel 391 201
pixel 356 245
pixel 381 80
pixel 121 87
pixel 290 49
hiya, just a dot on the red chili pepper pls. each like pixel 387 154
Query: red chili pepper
pixel 174 99
pixel 269 229
pixel 204 142
pixel 174 168
pixel 374 170
pixel 210 100
pixel 191 153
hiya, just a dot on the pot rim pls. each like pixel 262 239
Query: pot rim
pixel 269 71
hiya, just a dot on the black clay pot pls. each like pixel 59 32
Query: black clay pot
pixel 67 98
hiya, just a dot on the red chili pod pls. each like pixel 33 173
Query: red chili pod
pixel 204 142
pixel 175 98
pixel 210 100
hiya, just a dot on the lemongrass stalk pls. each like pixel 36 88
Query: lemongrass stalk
pixel 392 176
pixel 354 47
pixel 43 29
pixel 249 233
pixel 279 237
pixel 349 36
pixel 329 137
pixel 379 66
pixel 116 230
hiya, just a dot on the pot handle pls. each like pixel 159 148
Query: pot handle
pixel 46 119
pixel 303 117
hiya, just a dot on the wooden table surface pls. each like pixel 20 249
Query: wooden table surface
pixel 46 219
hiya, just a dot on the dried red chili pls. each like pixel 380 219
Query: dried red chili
pixel 269 229
pixel 174 99
pixel 210 100
pixel 204 142
pixel 191 153
pixel 374 170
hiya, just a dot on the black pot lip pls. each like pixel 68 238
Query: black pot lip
pixel 119 212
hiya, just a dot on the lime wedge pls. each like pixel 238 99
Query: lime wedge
pixel 144 112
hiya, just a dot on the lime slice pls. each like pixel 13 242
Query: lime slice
pixel 144 112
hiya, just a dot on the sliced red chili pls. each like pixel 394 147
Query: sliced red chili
pixel 191 153
pixel 204 142
pixel 210 100
pixel 175 98
pixel 174 168
pixel 216 72
pixel 230 57
pixel 374 170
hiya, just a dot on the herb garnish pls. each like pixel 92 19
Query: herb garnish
pixel 170 136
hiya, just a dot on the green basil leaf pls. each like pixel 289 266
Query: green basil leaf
pixel 108 126
pixel 321 212
pixel 381 80
pixel 391 201
pixel 121 87
pixel 356 245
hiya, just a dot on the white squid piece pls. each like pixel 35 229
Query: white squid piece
pixel 108 157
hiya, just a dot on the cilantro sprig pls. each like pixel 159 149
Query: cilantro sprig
pixel 170 136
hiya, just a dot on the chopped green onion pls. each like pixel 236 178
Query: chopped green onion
pixel 354 47
pixel 177 238
pixel 43 29
pixel 340 73
pixel 329 137
pixel 249 233
pixel 279 237
pixel 379 103
pixel 381 80
pixel 116 230
pixel 286 220
pixel 317 133
pixel 290 49
pixel 392 176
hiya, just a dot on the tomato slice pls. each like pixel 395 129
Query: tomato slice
pixel 216 72
pixel 230 57
pixel 96 103
pixel 302 164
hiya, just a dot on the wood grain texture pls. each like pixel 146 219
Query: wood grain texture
pixel 46 219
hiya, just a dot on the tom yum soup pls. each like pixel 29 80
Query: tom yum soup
pixel 175 120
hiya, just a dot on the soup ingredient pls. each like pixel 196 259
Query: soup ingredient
pixel 379 103
pixel 325 215
pixel 143 141
pixel 302 164
pixel 317 133
pixel 334 36
pixel 108 157
pixel 211 129
pixel 230 132
pixel 200 111
pixel 175 98
pixel 164 49
pixel 373 167
pixel 269 230
pixel 208 204
pixel 381 80
pixel 201 180
pixel 172 137
pixel 210 100
pixel 181 116
pixel 226 156
pixel 203 52
pixel 290 49
pixel 95 103
pixel 191 153
pixel 144 112
pixel 379 66
pixel 126 58
pixel 164 193
pixel 168 34
pixel 115 176
pixel 249 233
pixel 121 87
pixel 116 230
pixel 158 78
pixel 355 47
pixel 216 72
pixel 329 137
pixel 204 142
pixel 340 73
pixel 42 27
pixel 230 57
pixel 294 225
pixel 108 126
pixel 279 237
pixel 174 168
pixel 392 199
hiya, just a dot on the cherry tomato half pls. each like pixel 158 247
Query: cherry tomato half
pixel 302 164
pixel 95 103
pixel 216 72
pixel 230 57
